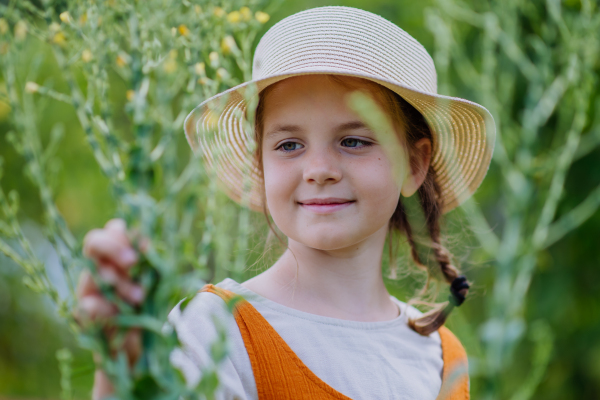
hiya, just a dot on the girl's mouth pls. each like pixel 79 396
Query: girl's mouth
pixel 325 205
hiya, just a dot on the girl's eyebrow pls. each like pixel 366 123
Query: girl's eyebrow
pixel 289 128
pixel 283 128
pixel 348 126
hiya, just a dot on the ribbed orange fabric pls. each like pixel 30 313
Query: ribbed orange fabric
pixel 455 376
pixel 281 375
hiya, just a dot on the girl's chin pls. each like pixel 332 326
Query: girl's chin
pixel 333 240
pixel 330 234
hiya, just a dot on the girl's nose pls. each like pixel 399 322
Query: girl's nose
pixel 321 168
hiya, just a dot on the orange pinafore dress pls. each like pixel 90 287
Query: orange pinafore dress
pixel 281 375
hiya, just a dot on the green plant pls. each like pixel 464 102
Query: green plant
pixel 131 71
pixel 535 66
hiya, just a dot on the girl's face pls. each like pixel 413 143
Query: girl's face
pixel 328 182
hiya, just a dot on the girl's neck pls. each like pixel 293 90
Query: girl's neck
pixel 345 283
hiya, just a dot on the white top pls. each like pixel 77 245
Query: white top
pixel 362 360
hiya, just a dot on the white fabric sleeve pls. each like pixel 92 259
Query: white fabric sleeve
pixel 196 328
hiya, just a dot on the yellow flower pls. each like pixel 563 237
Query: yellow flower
pixel 59 38
pixel 130 95
pixel 198 9
pixel 234 17
pixel 219 12
pixel 246 13
pixel 4 110
pixel 203 81
pixel 65 17
pixel 20 30
pixel 122 60
pixel 199 68
pixel 83 19
pixel 31 87
pixel 170 66
pixel 222 73
pixel 228 44
pixel 86 55
pixel 214 58
pixel 183 30
pixel 54 27
pixel 173 54
pixel 3 26
pixel 262 17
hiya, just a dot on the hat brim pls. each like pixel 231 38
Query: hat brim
pixel 463 138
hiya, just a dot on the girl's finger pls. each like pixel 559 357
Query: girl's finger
pixel 144 244
pixel 130 292
pixel 116 225
pixel 86 285
pixel 125 287
pixel 118 229
pixel 102 386
pixel 94 308
pixel 133 345
pixel 101 244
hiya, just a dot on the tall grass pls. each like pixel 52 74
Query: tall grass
pixel 130 71
pixel 535 66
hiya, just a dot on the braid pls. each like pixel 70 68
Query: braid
pixel 429 200
pixel 429 194
pixel 399 221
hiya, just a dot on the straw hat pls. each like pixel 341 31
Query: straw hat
pixel 352 42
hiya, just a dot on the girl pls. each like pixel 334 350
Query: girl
pixel 320 323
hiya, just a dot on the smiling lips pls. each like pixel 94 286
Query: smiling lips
pixel 326 205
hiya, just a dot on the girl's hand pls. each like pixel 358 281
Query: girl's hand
pixel 113 254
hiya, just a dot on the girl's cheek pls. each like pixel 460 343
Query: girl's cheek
pixel 280 190
pixel 376 174
pixel 279 182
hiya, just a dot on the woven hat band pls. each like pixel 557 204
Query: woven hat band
pixel 344 40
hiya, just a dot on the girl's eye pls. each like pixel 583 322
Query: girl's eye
pixel 289 146
pixel 354 142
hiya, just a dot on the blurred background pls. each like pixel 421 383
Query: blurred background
pixel 532 334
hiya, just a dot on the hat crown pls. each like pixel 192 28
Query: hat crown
pixel 344 40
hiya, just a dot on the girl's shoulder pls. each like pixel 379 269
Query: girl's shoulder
pixel 200 323
pixel 205 316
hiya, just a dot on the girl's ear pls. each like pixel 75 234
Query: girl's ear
pixel 419 164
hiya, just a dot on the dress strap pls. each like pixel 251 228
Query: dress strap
pixel 281 375
pixel 455 376
pixel 278 371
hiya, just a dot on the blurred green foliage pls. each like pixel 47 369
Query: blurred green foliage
pixel 535 65
pixel 531 324
pixel 129 72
